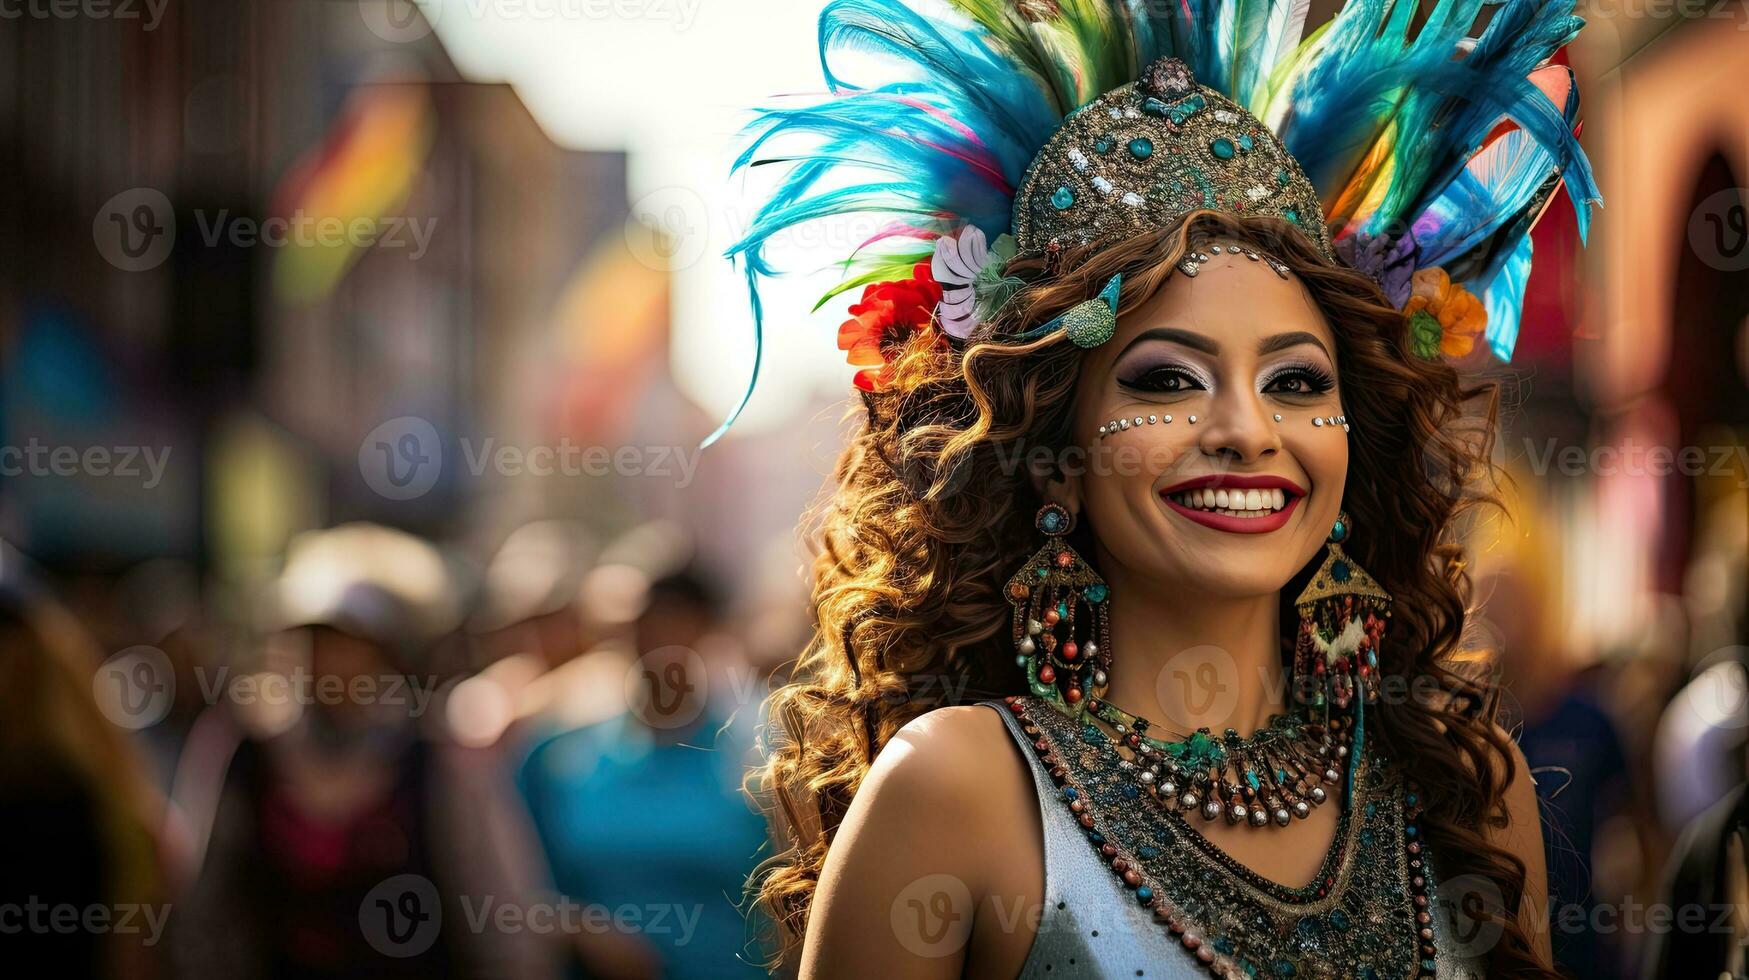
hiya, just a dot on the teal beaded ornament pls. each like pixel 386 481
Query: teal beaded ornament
pixel 1343 613
pixel 1049 594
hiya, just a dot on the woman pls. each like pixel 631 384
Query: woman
pixel 1157 441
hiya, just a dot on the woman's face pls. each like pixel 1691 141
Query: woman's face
pixel 1236 502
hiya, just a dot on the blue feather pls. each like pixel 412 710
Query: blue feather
pixel 1503 298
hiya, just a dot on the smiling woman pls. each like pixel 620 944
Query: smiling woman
pixel 1161 473
pixel 932 514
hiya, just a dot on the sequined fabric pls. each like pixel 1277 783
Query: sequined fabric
pixel 1357 919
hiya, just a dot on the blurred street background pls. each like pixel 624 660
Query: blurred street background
pixel 368 609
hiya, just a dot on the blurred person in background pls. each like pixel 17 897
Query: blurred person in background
pixel 641 814
pixel 77 812
pixel 346 836
pixel 1554 702
pixel 1701 759
pixel 541 642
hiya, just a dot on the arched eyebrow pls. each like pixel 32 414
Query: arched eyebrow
pixel 1208 345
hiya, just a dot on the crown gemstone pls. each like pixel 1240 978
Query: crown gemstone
pixel 1103 145
pixel 1141 148
pixel 1062 198
pixel 1222 148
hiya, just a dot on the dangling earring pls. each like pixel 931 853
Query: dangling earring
pixel 1342 621
pixel 1062 666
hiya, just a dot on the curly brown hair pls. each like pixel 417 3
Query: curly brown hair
pixel 929 514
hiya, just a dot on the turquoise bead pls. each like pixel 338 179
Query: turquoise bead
pixel 1245 143
pixel 1339 571
pixel 1062 198
pixel 1144 894
pixel 1141 148
pixel 1102 145
pixel 1096 592
pixel 1339 531
pixel 1222 148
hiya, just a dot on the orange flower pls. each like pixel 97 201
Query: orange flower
pixel 880 326
pixel 1461 316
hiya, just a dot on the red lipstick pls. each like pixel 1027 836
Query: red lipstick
pixel 1291 492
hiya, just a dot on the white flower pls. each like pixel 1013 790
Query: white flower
pixel 955 266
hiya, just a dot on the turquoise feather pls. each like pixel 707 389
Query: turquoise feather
pixel 975 88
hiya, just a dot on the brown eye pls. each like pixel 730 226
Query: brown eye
pixel 1165 380
pixel 1299 381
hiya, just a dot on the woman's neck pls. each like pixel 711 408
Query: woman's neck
pixel 1186 660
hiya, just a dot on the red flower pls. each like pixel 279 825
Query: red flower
pixel 880 326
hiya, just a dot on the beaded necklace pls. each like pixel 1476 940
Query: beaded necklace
pixel 1367 913
pixel 1277 773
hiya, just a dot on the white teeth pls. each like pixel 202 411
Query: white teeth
pixel 1233 503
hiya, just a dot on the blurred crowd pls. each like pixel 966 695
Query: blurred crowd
pixel 389 763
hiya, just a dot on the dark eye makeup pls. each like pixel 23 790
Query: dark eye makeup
pixel 1298 378
pixel 1303 378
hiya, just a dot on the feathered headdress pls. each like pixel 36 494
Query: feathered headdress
pixel 1010 127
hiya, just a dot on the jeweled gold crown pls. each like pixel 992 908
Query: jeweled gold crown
pixel 1147 154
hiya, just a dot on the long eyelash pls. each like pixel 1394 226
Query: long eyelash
pixel 1183 370
pixel 1320 379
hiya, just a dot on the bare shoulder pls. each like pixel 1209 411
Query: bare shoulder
pixel 934 815
pixel 958 759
